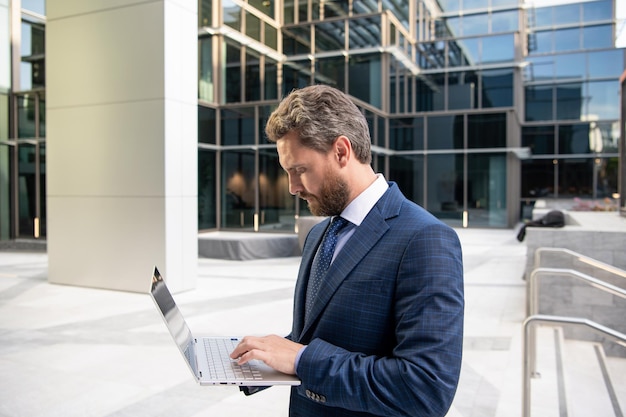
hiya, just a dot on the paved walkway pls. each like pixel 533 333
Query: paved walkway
pixel 71 351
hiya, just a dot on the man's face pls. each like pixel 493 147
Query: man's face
pixel 313 176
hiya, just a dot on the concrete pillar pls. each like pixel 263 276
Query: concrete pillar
pixel 121 95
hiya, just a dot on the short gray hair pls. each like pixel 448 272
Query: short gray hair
pixel 319 114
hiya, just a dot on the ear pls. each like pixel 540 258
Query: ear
pixel 342 150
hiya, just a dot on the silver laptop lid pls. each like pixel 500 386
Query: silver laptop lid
pixel 173 319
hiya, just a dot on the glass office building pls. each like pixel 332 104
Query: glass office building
pixel 477 108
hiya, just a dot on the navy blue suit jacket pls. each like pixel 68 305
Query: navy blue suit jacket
pixel 385 333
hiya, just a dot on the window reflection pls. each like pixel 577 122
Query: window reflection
pixel 408 172
pixel 207 196
pixel 238 183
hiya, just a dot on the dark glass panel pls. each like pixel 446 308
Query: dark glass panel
pixel 43 215
pixel 364 32
pixel 538 103
pixel 253 27
pixel 271 36
pixel 540 139
pixel 330 36
pixel 27 189
pixel 504 21
pixel 265 6
pixel 538 178
pixel 277 207
pixel 206 125
pixel 597 11
pixel 233 73
pixel 231 14
pixel 574 139
pixel 264 114
pixel 205 70
pixel 569 101
pixel 570 66
pixel 486 130
pixel 566 14
pixel 296 74
pixel 365 78
pixel 315 9
pixel 408 172
pixel 486 189
pixel 297 40
pixel 289 12
pixel 205 13
pixel 406 133
pixel 253 76
pixel 566 39
pixel 445 132
pixel 598 37
pixel 497 88
pixel 576 177
pixel 26 116
pixel 42 115
pixel 444 189
pixel 500 48
pixel 237 126
pixel 331 71
pixel 271 79
pixel 335 8
pixel 303 13
pixel 207 195
pixel 380 138
pixel 32 65
pixel 430 92
pixel 603 99
pixel 462 90
pixel 608 173
pixel 238 188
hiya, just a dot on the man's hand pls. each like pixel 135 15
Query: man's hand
pixel 276 351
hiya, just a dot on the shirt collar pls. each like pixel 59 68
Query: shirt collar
pixel 358 208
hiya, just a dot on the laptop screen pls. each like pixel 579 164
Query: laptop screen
pixel 173 318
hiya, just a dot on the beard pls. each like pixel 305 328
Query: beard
pixel 332 198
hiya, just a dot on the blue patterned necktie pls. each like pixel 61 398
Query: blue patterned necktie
pixel 321 262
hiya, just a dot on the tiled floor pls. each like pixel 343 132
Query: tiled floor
pixel 71 351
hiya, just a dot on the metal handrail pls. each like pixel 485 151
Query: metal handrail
pixel 582 258
pixel 529 346
pixel 533 295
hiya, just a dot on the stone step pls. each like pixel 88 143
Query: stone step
pixel 575 378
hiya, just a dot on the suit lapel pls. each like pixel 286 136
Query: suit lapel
pixel 367 235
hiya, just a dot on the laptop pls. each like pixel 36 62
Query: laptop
pixel 208 357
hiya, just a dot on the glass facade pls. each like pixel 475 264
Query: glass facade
pixel 476 107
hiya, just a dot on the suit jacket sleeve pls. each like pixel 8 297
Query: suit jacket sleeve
pixel 416 372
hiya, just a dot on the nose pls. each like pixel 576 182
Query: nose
pixel 295 185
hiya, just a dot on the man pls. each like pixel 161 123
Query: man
pixel 382 333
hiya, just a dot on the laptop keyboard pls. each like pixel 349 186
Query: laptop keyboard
pixel 228 370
